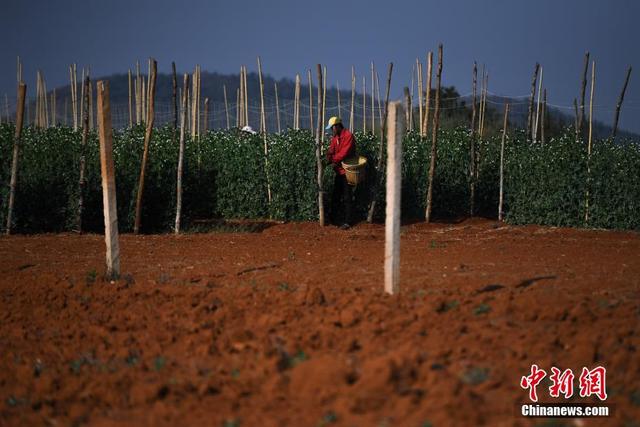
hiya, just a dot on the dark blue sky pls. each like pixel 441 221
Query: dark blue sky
pixel 509 36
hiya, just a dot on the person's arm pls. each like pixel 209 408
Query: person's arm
pixel 346 148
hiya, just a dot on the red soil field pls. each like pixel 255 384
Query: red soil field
pixel 289 326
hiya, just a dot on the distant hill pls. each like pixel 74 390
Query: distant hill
pixel 455 107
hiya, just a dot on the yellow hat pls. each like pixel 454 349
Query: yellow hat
pixel 333 121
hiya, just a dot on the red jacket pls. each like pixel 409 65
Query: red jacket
pixel 342 147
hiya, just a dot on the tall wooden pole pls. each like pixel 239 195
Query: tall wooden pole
pixel 246 98
pixel 263 120
pixel 484 104
pixel 138 94
pixel 407 106
pixel 395 133
pixel 353 98
pixel 238 109
pixel 83 147
pixel 319 131
pixel 373 101
pixel 205 126
pixel 22 92
pixel 420 91
pixel 380 112
pixel 535 126
pixel 504 136
pixel 472 156
pixel 275 87
pixel 530 119
pixel 339 104
pixel 110 210
pixel 619 104
pixel 575 109
pixel 226 106
pixel 593 83
pixel 296 104
pixel 543 116
pixel 130 100
pixel 311 100
pixel 425 123
pixel 324 100
pixel 364 104
pixel 147 140
pixel 583 86
pixel 411 97
pixel 174 96
pixel 376 184
pixel 183 122
pixel 434 137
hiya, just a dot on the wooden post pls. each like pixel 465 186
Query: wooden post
pixel 425 124
pixel 246 98
pixel 411 97
pixel 130 101
pixel 174 96
pixel 263 120
pixel 434 137
pixel 324 101
pixel 373 101
pixel 138 94
pixel 205 126
pixel 575 109
pixel 338 93
pixel 376 184
pixel 379 103
pixel 147 140
pixel 472 156
pixel 22 92
pixel 296 104
pixel 311 100
pixel 504 136
pixel 619 104
pixel 53 107
pixel 83 147
pixel 534 80
pixel 583 86
pixel 535 126
pixel 90 105
pixel 183 122
pixel 543 116
pixel 353 98
pixel 364 104
pixel 194 105
pixel 226 106
pixel 407 106
pixel 275 87
pixel 108 182
pixel 484 103
pixel 238 109
pixel 420 89
pixel 73 75
pixel 319 131
pixel 395 133
pixel 198 104
pixel 593 83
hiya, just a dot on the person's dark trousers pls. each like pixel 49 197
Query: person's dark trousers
pixel 341 201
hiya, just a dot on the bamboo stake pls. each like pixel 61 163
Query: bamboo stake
pixel 535 127
pixel 583 86
pixel 543 115
pixel 575 109
pixel 319 131
pixel 130 101
pixel 146 90
pixel 324 100
pixel 72 88
pixel 395 133
pixel 484 104
pixel 504 136
pixel 473 157
pixel 339 104
pixel 22 92
pixel 379 102
pixel 534 80
pixel 296 104
pixel 311 101
pixel 373 101
pixel 174 97
pixel 194 105
pixel 147 140
pixel 425 123
pixel 83 147
pixel 593 83
pixel 364 104
pixel 411 97
pixel 353 98
pixel 420 89
pixel 205 126
pixel 143 99
pixel 376 183
pixel 407 106
pixel 183 120
pixel 434 137
pixel 238 113
pixel 108 182
pixel 241 99
pixel 275 86
pixel 263 120
pixel 619 104
pixel 90 105
pixel 138 94
pixel 246 98
pixel 53 107
pixel 226 106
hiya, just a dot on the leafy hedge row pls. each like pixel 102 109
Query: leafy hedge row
pixel 226 177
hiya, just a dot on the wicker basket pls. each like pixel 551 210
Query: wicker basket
pixel 355 169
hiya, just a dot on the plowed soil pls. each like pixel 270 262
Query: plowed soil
pixel 289 326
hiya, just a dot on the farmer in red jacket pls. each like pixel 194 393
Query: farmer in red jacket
pixel 343 146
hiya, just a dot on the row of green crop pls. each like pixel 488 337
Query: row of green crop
pixel 226 177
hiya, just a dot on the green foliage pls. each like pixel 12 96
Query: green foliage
pixel 226 176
